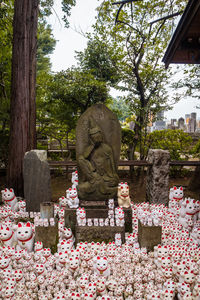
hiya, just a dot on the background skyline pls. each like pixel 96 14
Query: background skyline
pixel 72 39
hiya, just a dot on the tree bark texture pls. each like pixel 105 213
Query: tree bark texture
pixel 23 107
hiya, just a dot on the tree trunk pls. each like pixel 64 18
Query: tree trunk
pixel 23 108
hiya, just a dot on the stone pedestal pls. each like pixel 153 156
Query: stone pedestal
pixel 70 217
pixel 48 236
pixel 128 219
pixel 157 183
pixel 149 236
pixel 98 233
pixel 93 204
pixel 47 210
pixel 37 180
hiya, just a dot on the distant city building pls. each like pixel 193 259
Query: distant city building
pixel 191 126
pixel 174 122
pixel 198 126
pixel 181 124
pixel 160 124
pixel 191 122
pixel 187 117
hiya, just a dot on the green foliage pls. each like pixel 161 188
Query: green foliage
pixel 196 149
pixel 62 98
pixel 126 142
pixel 46 8
pixel 190 81
pixel 118 105
pixel 100 59
pixel 177 142
pixel 127 136
pixel 77 90
pixel 45 46
pixel 66 7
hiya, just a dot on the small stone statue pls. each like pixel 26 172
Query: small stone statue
pixel 99 177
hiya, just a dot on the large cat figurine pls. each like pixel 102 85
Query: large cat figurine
pixel 9 198
pixel 25 236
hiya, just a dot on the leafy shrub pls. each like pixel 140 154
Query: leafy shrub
pixel 177 142
pixel 127 142
pixel 196 149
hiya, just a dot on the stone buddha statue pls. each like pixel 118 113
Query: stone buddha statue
pixel 98 176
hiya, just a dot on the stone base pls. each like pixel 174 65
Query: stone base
pixel 98 233
pixel 48 236
pixel 93 204
pixel 128 219
pixel 149 236
pixel 70 217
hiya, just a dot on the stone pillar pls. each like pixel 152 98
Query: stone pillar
pixel 46 210
pixel 149 236
pixel 37 180
pixel 157 184
pixel 48 236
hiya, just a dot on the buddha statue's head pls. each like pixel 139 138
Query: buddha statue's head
pixel 95 132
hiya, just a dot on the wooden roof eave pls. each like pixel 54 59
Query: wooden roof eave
pixel 181 29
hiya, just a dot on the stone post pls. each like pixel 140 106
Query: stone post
pixel 37 180
pixel 46 210
pixel 157 184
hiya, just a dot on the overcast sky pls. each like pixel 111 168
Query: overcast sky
pixel 70 40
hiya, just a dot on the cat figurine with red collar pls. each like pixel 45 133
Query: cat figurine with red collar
pixel 66 233
pixel 25 236
pixel 5 266
pixel 38 248
pixel 62 202
pixel 81 216
pixel 72 198
pixel 123 195
pixel 9 198
pixel 7 235
pixel 176 193
pixel 101 266
pixel 9 292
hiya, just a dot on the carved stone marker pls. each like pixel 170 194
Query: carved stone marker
pixel 37 180
pixel 98 139
pixel 157 183
pixel 48 236
pixel 149 236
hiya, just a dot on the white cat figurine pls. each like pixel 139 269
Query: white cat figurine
pixel 9 198
pixel 7 235
pixel 72 198
pixel 25 236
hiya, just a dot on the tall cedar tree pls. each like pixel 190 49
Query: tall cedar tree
pixel 23 110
